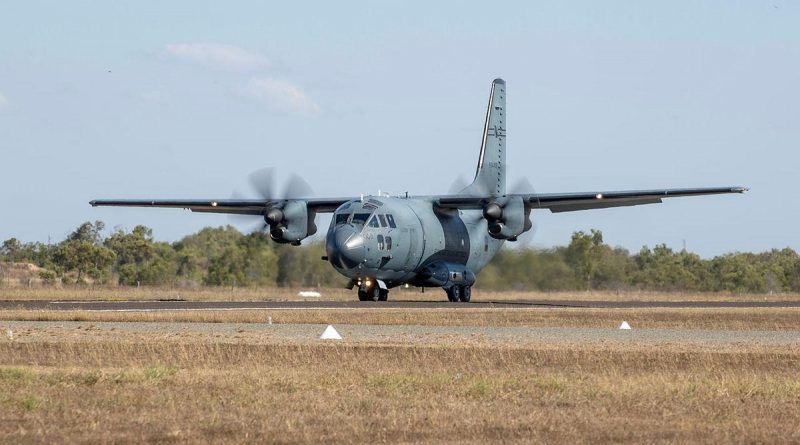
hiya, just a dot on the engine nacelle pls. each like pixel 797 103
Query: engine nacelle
pixel 507 217
pixel 291 222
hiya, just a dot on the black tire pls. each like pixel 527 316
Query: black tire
pixel 454 293
pixel 384 295
pixel 362 295
pixel 466 294
pixel 374 293
pixel 450 295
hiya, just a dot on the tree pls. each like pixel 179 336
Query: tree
pixel 664 269
pixel 303 266
pixel 10 250
pixel 139 259
pixel 737 272
pixel 223 256
pixel 584 254
pixel 88 232
pixel 85 258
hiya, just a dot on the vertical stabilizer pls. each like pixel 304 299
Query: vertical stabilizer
pixel 490 178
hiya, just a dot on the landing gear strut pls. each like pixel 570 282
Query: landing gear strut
pixel 459 293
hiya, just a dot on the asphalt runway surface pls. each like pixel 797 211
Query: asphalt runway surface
pixel 166 305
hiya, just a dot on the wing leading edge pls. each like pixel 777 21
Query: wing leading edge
pixel 232 206
pixel 570 202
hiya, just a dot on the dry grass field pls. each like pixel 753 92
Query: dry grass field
pixel 115 293
pixel 764 319
pixel 193 391
pixel 221 376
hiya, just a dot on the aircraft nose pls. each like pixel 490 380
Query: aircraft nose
pixel 345 247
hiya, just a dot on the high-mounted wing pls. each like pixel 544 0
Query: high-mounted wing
pixel 233 206
pixel 569 202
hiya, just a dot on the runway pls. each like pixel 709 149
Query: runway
pixel 166 305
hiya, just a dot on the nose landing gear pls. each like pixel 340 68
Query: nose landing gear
pixel 374 293
pixel 459 293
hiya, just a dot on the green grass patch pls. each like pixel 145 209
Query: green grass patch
pixel 14 374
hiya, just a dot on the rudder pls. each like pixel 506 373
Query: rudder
pixel 490 177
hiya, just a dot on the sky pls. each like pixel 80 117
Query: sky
pixel 184 99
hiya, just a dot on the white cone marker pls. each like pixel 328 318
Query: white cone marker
pixel 330 334
pixel 624 325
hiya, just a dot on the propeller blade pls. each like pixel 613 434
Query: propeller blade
pixel 263 182
pixel 460 183
pixel 296 187
pixel 523 186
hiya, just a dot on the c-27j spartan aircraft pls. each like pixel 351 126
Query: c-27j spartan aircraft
pixel 381 242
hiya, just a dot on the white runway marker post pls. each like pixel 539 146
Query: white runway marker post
pixel 625 325
pixel 330 334
pixel 10 334
pixel 309 293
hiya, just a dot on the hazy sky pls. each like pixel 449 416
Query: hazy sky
pixel 184 99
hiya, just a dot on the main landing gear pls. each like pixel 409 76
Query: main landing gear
pixel 374 293
pixel 459 293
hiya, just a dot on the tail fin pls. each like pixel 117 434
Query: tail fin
pixel 490 178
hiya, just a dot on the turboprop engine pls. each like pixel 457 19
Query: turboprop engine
pixel 508 218
pixel 290 222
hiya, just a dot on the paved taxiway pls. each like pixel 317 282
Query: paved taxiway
pixel 161 305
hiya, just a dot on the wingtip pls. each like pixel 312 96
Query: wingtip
pixel 93 203
pixel 741 189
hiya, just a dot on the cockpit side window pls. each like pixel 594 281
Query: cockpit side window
pixel 383 220
pixel 390 220
pixel 341 218
pixel 381 243
pixel 360 218
pixel 374 222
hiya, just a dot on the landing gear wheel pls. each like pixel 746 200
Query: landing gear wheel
pixel 363 296
pixel 374 294
pixel 466 294
pixel 454 294
pixel 383 295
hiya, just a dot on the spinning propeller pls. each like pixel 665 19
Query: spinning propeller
pixel 262 182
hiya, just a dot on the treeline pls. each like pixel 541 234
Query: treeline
pixel 220 256
pixel 223 256
pixel 587 263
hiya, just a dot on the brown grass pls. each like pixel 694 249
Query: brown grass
pixel 336 294
pixel 227 392
pixel 776 319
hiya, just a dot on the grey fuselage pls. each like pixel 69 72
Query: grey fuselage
pixel 406 240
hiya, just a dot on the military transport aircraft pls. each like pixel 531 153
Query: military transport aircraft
pixel 381 242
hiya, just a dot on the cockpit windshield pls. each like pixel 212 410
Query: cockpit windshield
pixel 346 215
pixel 360 218
pixel 341 218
